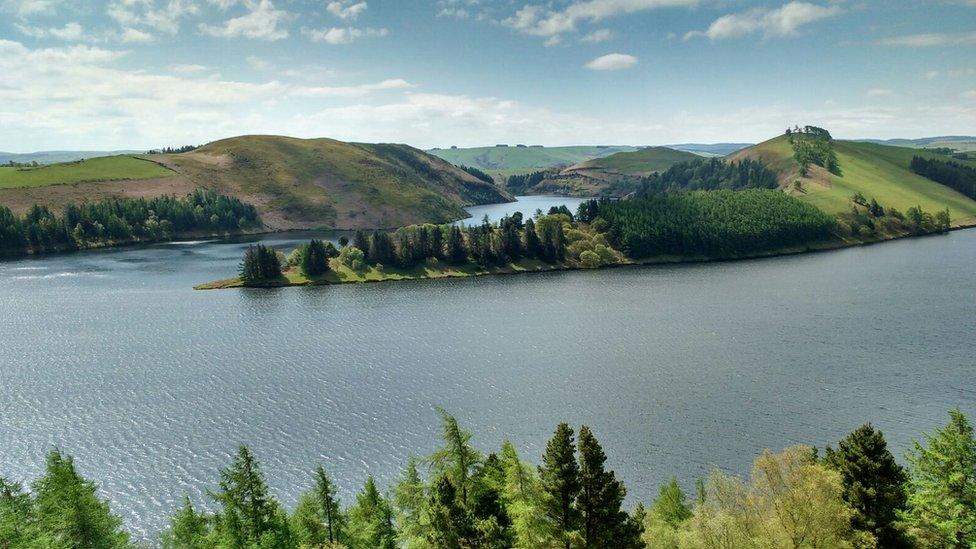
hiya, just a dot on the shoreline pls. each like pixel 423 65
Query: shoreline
pixel 344 275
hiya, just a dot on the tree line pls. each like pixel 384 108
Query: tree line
pixel 521 183
pixel 720 223
pixel 870 218
pixel 174 150
pixel 477 173
pixel 854 496
pixel 951 174
pixel 123 220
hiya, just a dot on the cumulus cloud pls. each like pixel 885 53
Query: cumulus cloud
pixel 164 16
pixel 27 8
pixel 69 32
pixel 262 22
pixel 612 62
pixel 130 35
pixel 343 35
pixel 537 20
pixel 930 40
pixel 783 21
pixel 460 9
pixel 346 9
pixel 597 36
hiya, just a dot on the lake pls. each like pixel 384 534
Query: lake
pixel 112 357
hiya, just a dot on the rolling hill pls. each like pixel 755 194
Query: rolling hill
pixel 875 170
pixel 54 157
pixel 295 183
pixel 962 143
pixel 502 161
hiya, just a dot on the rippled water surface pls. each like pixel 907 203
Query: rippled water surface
pixel 112 357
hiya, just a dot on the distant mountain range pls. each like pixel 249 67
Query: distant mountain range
pixel 53 157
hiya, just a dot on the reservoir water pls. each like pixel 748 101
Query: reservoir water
pixel 112 357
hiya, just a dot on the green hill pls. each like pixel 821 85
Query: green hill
pixel 108 168
pixel 642 162
pixel 295 183
pixel 877 171
pixel 502 161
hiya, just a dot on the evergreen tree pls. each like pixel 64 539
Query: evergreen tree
pixel 188 529
pixel 942 500
pixel 560 479
pixel 314 259
pixel 604 524
pixel 69 510
pixel 371 520
pixel 450 523
pixel 359 240
pixel 410 503
pixel 457 459
pixel 249 514
pixel 670 505
pixel 307 525
pixel 874 484
pixel 531 246
pixel 456 252
pixel 325 497
pixel 18 525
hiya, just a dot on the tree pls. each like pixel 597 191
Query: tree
pixel 523 500
pixel 69 510
pixel 559 477
pixel 260 263
pixel 670 504
pixel 532 247
pixel 325 497
pixel 188 529
pixel 314 259
pixel 18 525
pixel 456 252
pixel 604 523
pixel 249 514
pixel 371 520
pixel 942 500
pixel 874 484
pixel 457 459
pixel 409 500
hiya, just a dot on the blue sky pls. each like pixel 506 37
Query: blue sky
pixel 149 73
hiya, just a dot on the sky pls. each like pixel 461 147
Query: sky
pixel 139 74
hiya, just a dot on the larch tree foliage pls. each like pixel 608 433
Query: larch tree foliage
pixel 523 497
pixel 188 529
pixel 328 503
pixel 559 476
pixel 371 523
pixel 604 523
pixel 942 500
pixel 457 459
pixel 18 523
pixel 409 498
pixel 70 513
pixel 874 484
pixel 249 515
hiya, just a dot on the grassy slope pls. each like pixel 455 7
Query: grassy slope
pixel 109 168
pixel 877 171
pixel 301 183
pixel 505 161
pixel 642 162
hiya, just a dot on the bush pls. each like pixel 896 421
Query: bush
pixel 353 257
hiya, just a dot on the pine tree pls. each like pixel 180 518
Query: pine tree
pixel 325 495
pixel 359 240
pixel 457 459
pixel 456 252
pixel 874 484
pixel 531 245
pixel 604 524
pixel 559 477
pixel 188 529
pixel 18 525
pixel 410 505
pixel 248 511
pixel 69 510
pixel 314 260
pixel 371 520
pixel 942 500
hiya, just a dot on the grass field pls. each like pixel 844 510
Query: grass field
pixel 109 168
pixel 505 161
pixel 642 162
pixel 877 171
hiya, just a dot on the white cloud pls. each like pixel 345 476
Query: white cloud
pixel 597 36
pixel 27 8
pixel 69 32
pixel 346 9
pixel 612 62
pixel 783 21
pixel 352 91
pixel 262 22
pixel 540 21
pixel 343 35
pixel 136 36
pixel 971 94
pixel 459 9
pixel 930 40
pixel 187 69
pixel 879 92
pixel 146 13
pixel 257 63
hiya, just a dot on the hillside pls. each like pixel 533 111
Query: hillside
pixel 710 149
pixel 614 175
pixel 54 157
pixel 295 183
pixel 877 171
pixel 961 143
pixel 502 161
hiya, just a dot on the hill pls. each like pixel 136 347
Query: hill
pixel 107 168
pixel 295 183
pixel 874 170
pixel 502 161
pixel 613 175
pixel 962 143
pixel 54 157
pixel 710 149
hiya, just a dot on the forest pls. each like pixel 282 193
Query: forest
pixel 951 174
pixel 720 223
pixel 123 220
pixel 707 175
pixel 856 495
